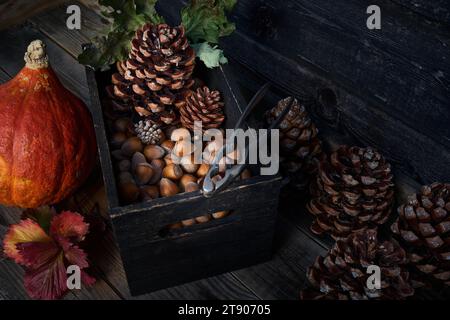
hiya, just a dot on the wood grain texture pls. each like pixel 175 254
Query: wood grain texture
pixel 391 86
pixel 53 24
pixel 436 10
pixel 14 12
pixel 14 44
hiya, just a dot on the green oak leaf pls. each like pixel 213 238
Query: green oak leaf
pixel 212 57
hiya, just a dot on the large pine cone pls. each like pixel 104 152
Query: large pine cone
pixel 423 226
pixel 158 73
pixel 342 274
pixel 353 191
pixel 299 144
pixel 203 105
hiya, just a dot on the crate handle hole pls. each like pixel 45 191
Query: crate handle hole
pixel 193 223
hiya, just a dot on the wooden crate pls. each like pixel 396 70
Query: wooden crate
pixel 156 258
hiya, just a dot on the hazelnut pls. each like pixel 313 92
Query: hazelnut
pixel 191 187
pixel 203 219
pixel 131 146
pixel 203 170
pixel 180 134
pixel 246 174
pixel 168 145
pixel 211 150
pixel 137 158
pixel 157 174
pixel 125 177
pixel 128 192
pixel 188 164
pixel 154 152
pixel 149 192
pixel 118 155
pixel 188 222
pixel 168 159
pixel 173 172
pixel 183 148
pixel 124 165
pixel 118 139
pixel 167 188
pixel 123 125
pixel 177 225
pixel 158 163
pixel 144 172
pixel 186 179
pixel 220 214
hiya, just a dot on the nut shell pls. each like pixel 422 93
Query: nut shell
pixel 167 188
pixel 173 172
pixel 191 187
pixel 128 192
pixel 185 179
pixel 188 164
pixel 180 134
pixel 203 170
pixel 118 139
pixel 143 173
pixel 131 146
pixel 149 192
pixel 152 152
pixel 220 214
pixel 203 219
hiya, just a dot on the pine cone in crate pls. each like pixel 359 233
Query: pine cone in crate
pixel 203 105
pixel 149 132
pixel 158 73
pixel 423 226
pixel 353 191
pixel 299 144
pixel 342 274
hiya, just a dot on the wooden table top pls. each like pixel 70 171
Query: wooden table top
pixel 296 248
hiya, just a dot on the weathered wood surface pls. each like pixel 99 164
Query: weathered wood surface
pixel 436 10
pixel 296 249
pixel 389 88
pixel 14 12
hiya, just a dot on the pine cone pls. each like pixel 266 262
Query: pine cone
pixel 299 143
pixel 148 131
pixel 203 105
pixel 353 191
pixel 158 73
pixel 423 226
pixel 342 274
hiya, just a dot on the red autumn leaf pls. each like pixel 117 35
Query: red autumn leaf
pixel 48 282
pixel 47 257
pixel 69 225
pixel 76 256
pixel 27 231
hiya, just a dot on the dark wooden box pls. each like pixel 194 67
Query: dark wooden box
pixel 154 258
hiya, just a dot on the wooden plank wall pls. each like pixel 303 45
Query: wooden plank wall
pixel 388 88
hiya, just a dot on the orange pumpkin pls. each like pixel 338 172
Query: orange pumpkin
pixel 47 141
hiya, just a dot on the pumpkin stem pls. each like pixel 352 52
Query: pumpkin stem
pixel 36 56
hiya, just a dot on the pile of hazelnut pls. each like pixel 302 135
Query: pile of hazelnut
pixel 146 172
